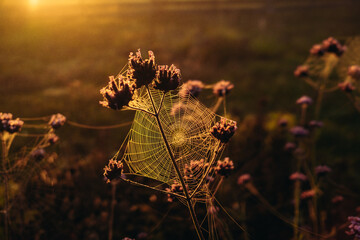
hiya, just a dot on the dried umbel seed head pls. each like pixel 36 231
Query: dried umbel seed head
pixel 194 168
pixel 57 120
pixel 354 227
pixel 174 188
pixel 308 194
pixel 322 170
pixel 192 87
pixel 38 154
pixel 298 176
pixel 113 170
pixel 52 138
pixel 225 167
pixel 4 120
pixel 317 50
pixel 243 179
pixel 304 100
pixel 14 126
pixel 354 72
pixel 222 88
pixel 289 146
pixel 142 72
pixel 167 78
pixel 316 124
pixel 337 199
pixel 301 71
pixel 224 130
pixel 346 86
pixel 332 45
pixel 299 131
pixel 118 93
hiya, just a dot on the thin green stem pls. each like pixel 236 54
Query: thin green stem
pixel 187 196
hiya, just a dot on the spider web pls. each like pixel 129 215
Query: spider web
pixel 186 124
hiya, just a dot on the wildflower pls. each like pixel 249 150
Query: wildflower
pixel 299 131
pixel 194 168
pixel 304 100
pixel 222 88
pixel 337 199
pixel 243 179
pixel 224 130
pixel 316 124
pixel 14 125
pixel 118 93
pixel 354 227
pixel 308 194
pixel 283 122
pixel 354 71
pixel 298 176
pixel 38 154
pixel 332 45
pixel 174 188
pixel 301 71
pixel 225 167
pixel 346 86
pixel 178 108
pixel 322 170
pixel 57 120
pixel 289 146
pixel 52 138
pixel 142 235
pixel 4 120
pixel 317 50
pixel 113 170
pixel 167 78
pixel 192 87
pixel 142 72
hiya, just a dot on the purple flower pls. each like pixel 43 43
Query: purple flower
pixel 38 154
pixel 346 86
pixel 195 168
pixel 317 50
pixel 222 88
pixel 289 146
pixel 192 87
pixel 308 194
pixel 225 167
pixel 337 199
pixel 118 93
pixel 57 120
pixel 141 72
pixel 243 179
pixel 298 176
pixel 316 124
pixel 354 71
pixel 301 71
pixel 322 170
pixel 283 122
pixel 354 227
pixel 174 188
pixel 52 138
pixel 224 130
pixel 332 45
pixel 14 125
pixel 299 131
pixel 113 170
pixel 304 100
pixel 4 120
pixel 167 78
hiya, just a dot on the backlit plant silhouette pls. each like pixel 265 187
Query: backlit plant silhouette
pixel 174 139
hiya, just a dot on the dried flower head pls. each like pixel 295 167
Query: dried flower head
pixel 174 188
pixel 192 87
pixel 243 179
pixel 337 199
pixel 299 131
pixel 52 138
pixel 301 71
pixel 354 71
pixel 38 154
pixel 346 86
pixel 14 126
pixel 224 130
pixel 118 93
pixel 317 50
pixel 142 72
pixel 222 88
pixel 167 78
pixel 225 167
pixel 308 194
pixel 195 167
pixel 354 227
pixel 298 176
pixel 304 100
pixel 113 170
pixel 322 170
pixel 289 146
pixel 57 120
pixel 332 45
pixel 316 124
pixel 4 120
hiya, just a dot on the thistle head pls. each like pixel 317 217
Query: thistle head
pixel 298 176
pixel 167 78
pixel 222 88
pixel 57 120
pixel 225 167
pixel 224 130
pixel 192 87
pixel 301 71
pixel 141 72
pixel 354 72
pixel 118 93
pixel 113 170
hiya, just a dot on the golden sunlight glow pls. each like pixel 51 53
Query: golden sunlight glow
pixel 33 3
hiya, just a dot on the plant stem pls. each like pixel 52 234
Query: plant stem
pixel 113 203
pixel 296 209
pixel 6 186
pixel 187 196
